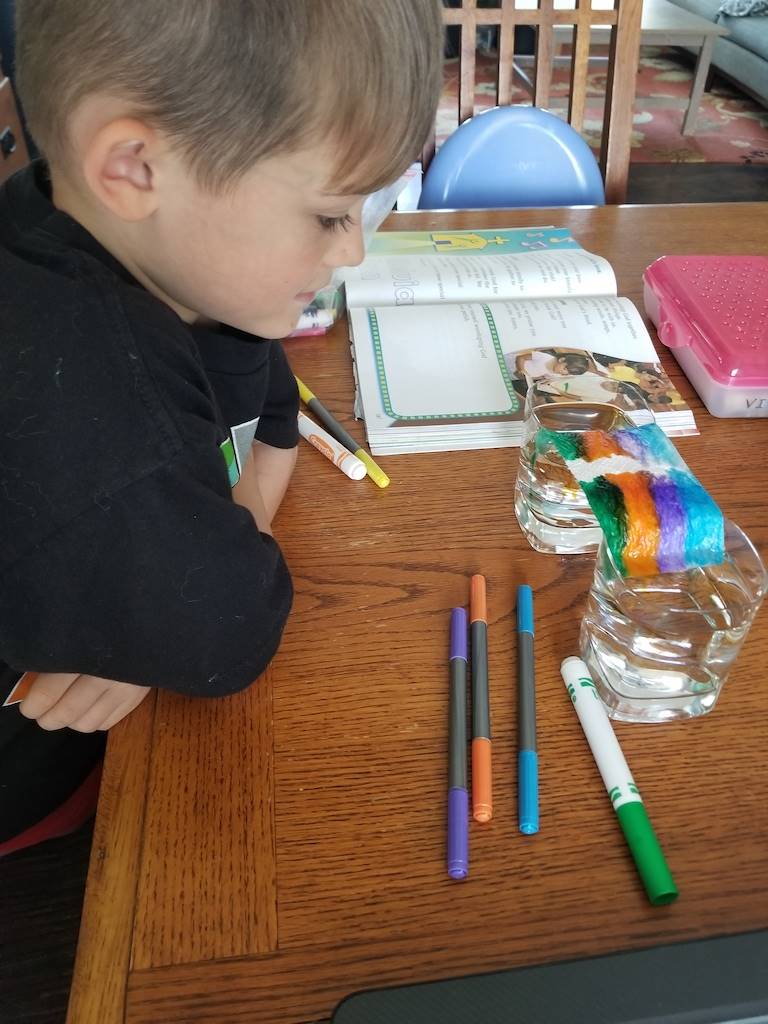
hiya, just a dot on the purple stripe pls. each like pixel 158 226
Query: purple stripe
pixel 458 633
pixel 671 514
pixel 631 443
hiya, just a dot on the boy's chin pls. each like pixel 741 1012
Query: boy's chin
pixel 280 325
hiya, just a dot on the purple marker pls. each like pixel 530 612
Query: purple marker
pixel 458 798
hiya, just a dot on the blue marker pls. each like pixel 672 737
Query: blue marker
pixel 527 758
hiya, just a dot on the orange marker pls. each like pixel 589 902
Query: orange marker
pixel 21 689
pixel 482 801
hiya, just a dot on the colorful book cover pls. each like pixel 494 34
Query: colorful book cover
pixel 494 240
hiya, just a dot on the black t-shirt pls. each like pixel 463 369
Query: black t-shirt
pixel 122 553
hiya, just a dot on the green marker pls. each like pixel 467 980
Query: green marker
pixel 618 780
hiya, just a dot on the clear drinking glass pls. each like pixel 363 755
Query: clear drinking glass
pixel 551 508
pixel 660 647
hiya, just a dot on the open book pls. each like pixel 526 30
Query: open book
pixel 448 329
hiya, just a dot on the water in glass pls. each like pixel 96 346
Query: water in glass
pixel 551 508
pixel 660 647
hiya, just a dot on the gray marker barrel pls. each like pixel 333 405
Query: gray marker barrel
pixel 457 753
pixel 527 756
pixel 527 693
pixel 481 711
pixel 333 426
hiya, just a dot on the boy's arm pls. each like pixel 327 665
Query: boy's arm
pixel 274 468
pixel 263 481
pixel 88 703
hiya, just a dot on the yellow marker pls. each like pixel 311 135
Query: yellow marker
pixel 336 430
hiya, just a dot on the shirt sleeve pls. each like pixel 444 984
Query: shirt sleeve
pixel 165 583
pixel 278 424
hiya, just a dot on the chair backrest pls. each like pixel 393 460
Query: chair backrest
pixel 551 20
pixel 512 156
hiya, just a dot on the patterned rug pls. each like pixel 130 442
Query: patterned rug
pixel 730 128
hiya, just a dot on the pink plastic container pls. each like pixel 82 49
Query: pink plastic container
pixel 712 311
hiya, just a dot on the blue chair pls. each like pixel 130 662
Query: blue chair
pixel 512 156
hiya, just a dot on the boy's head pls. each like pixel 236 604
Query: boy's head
pixel 570 363
pixel 652 383
pixel 216 146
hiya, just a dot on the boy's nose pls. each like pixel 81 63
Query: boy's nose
pixel 350 249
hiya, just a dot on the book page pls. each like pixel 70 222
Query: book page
pixel 604 324
pixel 465 276
pixel 469 360
pixel 435 362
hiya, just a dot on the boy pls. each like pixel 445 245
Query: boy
pixel 206 166
pixel 540 363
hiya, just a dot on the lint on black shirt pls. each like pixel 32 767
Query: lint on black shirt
pixel 122 553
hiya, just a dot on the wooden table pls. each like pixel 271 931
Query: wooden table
pixel 666 24
pixel 259 857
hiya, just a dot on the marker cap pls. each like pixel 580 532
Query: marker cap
pixel 528 791
pixel 482 788
pixel 647 853
pixel 304 393
pixel 375 472
pixel 458 833
pixel 477 599
pixel 525 609
pixel 458 633
pixel 351 466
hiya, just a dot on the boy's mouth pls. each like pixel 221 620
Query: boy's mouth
pixel 307 297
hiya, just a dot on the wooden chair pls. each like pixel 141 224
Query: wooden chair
pixel 624 21
pixel 13 148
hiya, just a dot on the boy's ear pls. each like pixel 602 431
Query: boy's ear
pixel 121 168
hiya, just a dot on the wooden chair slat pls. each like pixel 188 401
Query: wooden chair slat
pixel 624 20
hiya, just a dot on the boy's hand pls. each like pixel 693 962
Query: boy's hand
pixel 84 703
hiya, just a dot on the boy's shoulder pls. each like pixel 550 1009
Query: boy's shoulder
pixel 99 377
pixel 59 282
pixel 77 323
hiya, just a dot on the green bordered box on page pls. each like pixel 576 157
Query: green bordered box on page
pixel 486 383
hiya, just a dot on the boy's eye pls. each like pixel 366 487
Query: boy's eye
pixel 335 223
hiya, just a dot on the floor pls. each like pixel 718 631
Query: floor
pixel 697 183
pixel 41 895
pixel 731 127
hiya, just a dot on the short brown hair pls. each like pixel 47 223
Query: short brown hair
pixel 231 81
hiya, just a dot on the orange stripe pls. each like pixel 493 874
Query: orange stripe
pixel 643 532
pixel 598 445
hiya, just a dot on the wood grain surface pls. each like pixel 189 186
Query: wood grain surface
pixel 261 857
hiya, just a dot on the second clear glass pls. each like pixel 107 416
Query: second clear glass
pixel 551 508
pixel 660 647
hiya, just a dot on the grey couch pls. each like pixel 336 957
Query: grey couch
pixel 743 54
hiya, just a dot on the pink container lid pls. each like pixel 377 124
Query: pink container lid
pixel 717 306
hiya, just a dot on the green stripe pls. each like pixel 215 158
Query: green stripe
pixel 228 451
